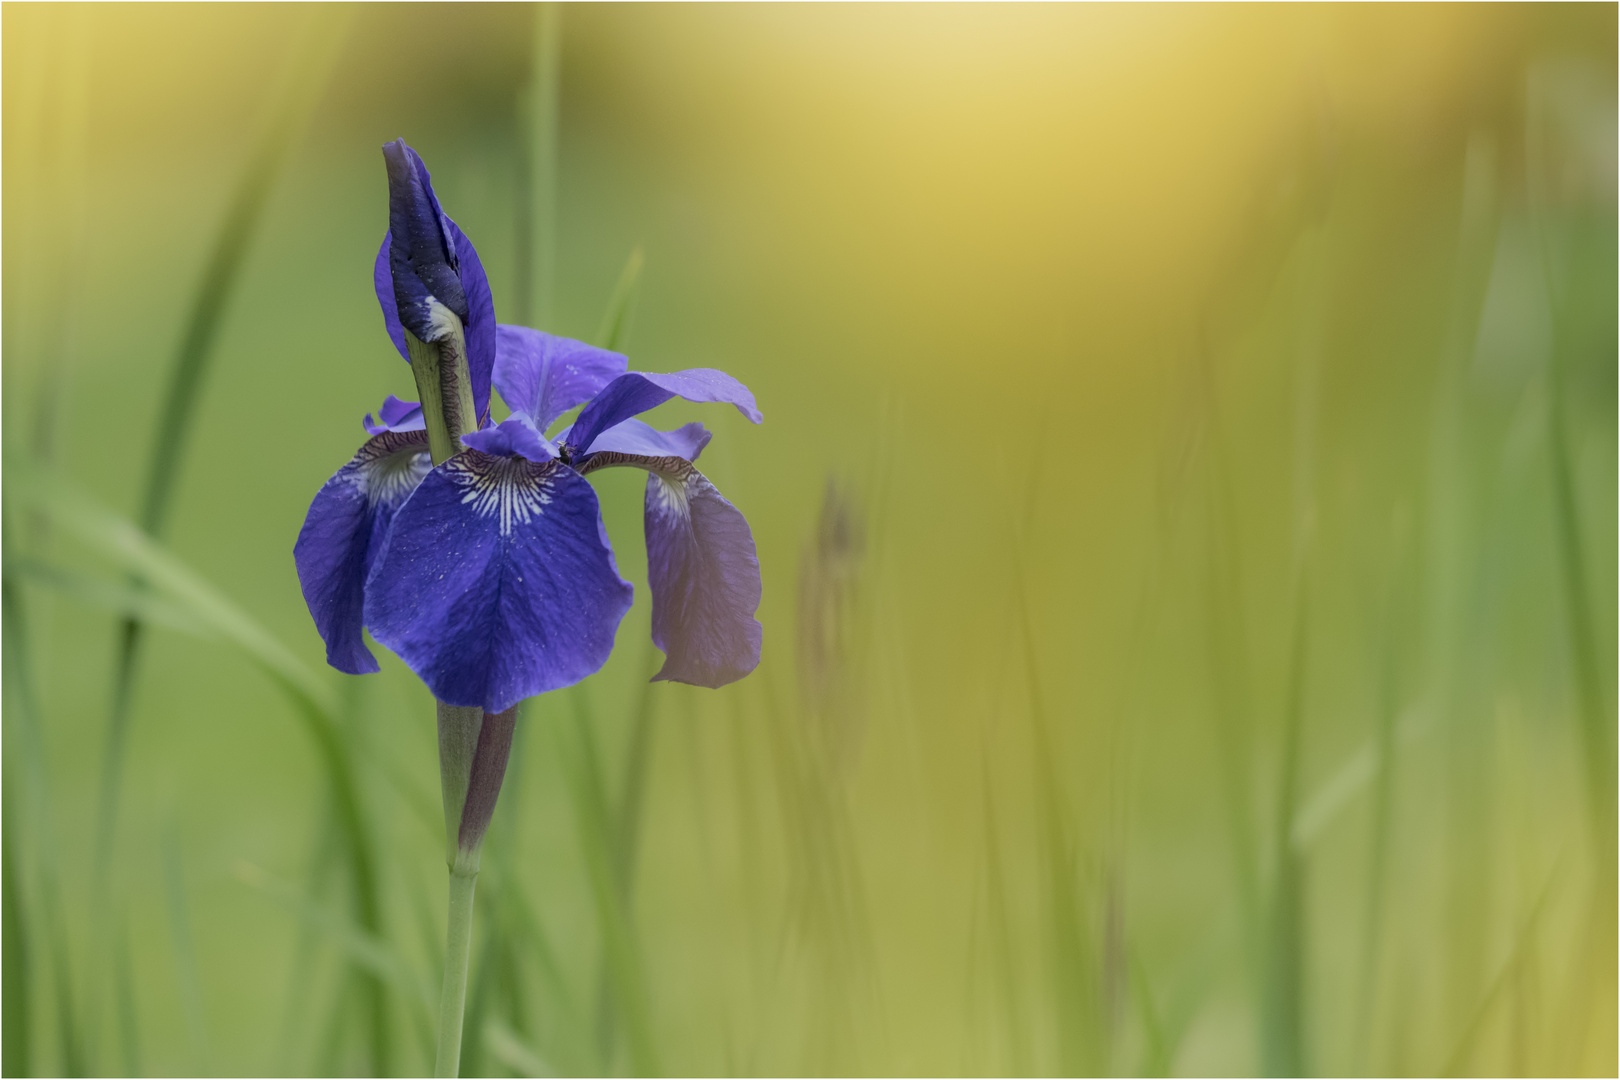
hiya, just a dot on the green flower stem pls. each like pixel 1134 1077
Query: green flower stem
pixel 473 749
pixel 457 948
pixel 445 387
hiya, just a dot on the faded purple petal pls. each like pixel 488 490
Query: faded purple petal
pixel 396 415
pixel 343 534
pixel 637 391
pixel 703 571
pixel 497 582
pixel 545 375
pixel 637 437
pixel 514 435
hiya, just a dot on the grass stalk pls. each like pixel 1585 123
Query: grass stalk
pixel 621 957
pixel 185 954
pixel 537 194
pixel 301 83
pixel 16 983
pixel 23 710
pixel 1282 1023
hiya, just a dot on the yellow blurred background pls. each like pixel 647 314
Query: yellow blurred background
pixel 1186 509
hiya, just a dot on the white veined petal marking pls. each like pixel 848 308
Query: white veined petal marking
pixel 392 465
pixel 514 488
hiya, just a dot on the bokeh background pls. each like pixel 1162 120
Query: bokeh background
pixel 1186 506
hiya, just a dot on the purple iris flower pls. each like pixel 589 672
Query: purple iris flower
pixel 490 573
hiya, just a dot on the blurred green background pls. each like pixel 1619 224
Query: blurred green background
pixel 1186 508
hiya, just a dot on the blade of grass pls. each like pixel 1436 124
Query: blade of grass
pixel 16 985
pixel 185 953
pixel 1596 723
pixel 506 1047
pixel 537 192
pixel 583 771
pixel 626 828
pixel 136 554
pixel 301 83
pixel 367 950
pixel 129 1018
pixel 1457 1062
pixel 23 713
pixel 1282 1027
pixel 615 326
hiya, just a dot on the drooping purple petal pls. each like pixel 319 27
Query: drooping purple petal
pixel 343 534
pixel 638 437
pixel 514 435
pixel 497 582
pixel 637 391
pixel 703 571
pixel 396 415
pixel 545 375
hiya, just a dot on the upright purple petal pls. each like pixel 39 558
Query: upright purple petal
pixel 421 256
pixel 343 534
pixel 497 582
pixel 382 279
pixel 544 375
pixel 703 572
pixel 637 391
pixel 438 263
pixel 480 322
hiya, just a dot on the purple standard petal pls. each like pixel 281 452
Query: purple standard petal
pixel 478 325
pixel 545 375
pixel 480 321
pixel 396 415
pixel 514 435
pixel 497 582
pixel 428 270
pixel 637 391
pixel 703 571
pixel 421 255
pixel 343 534
pixel 382 279
pixel 638 437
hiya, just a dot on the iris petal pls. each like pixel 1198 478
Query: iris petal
pixel 637 391
pixel 703 572
pixel 382 279
pixel 396 415
pixel 480 324
pixel 544 375
pixel 639 437
pixel 343 534
pixel 514 435
pixel 422 257
pixel 497 582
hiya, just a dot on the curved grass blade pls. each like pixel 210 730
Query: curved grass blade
pixel 301 83
pixel 23 711
pixel 179 587
pixel 615 325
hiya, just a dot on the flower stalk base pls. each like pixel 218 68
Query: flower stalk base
pixel 457 950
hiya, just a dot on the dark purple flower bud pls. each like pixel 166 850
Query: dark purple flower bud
pixel 422 256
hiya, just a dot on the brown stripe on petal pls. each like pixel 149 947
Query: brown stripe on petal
pixel 671 468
